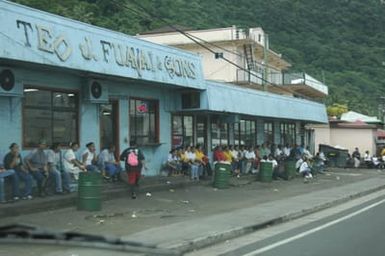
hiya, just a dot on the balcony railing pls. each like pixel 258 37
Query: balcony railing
pixel 304 79
pixel 244 76
pixel 298 81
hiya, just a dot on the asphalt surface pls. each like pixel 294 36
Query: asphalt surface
pixel 176 205
pixel 123 216
pixel 354 232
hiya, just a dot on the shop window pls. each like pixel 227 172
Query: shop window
pixel 144 121
pixel 288 133
pixel 244 133
pixel 268 132
pixel 49 115
pixel 182 130
pixel 201 131
pixel 219 132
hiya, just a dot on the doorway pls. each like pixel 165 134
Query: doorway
pixel 109 125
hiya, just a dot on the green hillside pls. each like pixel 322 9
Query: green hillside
pixel 341 41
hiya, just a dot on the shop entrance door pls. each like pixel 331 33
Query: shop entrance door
pixel 109 125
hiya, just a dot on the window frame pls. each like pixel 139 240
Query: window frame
pixel 52 109
pixel 243 134
pixel 183 134
pixel 288 128
pixel 271 133
pixel 156 104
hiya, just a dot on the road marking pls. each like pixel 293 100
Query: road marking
pixel 311 231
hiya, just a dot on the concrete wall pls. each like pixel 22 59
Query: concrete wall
pixel 217 69
pixel 347 138
pixel 364 139
pixel 11 111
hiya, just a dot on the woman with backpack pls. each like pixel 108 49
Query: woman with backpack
pixel 133 159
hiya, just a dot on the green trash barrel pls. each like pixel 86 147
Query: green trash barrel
pixel 89 191
pixel 222 175
pixel 265 172
pixel 290 170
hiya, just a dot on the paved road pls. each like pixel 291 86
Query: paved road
pixel 183 204
pixel 355 232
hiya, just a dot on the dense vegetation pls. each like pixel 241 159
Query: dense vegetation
pixel 339 41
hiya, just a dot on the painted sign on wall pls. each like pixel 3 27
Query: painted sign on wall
pixel 34 36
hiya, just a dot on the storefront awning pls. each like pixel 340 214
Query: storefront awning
pixel 232 99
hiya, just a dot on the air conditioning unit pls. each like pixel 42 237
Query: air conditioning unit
pixel 95 92
pixel 9 85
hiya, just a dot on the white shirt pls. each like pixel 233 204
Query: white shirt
pixel 367 157
pixel 304 167
pixel 278 152
pixel 286 151
pixel 234 154
pixel 307 153
pixel 69 155
pixel 90 157
pixel 172 158
pixel 250 155
pixel 298 163
pixel 273 161
pixel 191 156
pixel 107 156
pixel 53 157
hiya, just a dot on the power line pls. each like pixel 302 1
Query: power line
pixel 152 15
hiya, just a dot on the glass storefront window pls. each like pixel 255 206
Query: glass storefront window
pixel 143 121
pixel 49 115
pixel 201 131
pixel 219 132
pixel 182 130
pixel 268 132
pixel 288 133
pixel 245 133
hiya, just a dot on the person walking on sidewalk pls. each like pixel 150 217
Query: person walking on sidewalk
pixel 133 159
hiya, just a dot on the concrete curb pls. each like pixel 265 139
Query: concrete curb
pixel 202 242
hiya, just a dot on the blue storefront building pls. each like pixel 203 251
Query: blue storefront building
pixel 62 81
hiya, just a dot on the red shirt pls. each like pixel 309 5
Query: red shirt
pixel 219 156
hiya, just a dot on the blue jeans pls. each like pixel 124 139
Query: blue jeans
pixel 58 179
pixel 15 183
pixel 66 178
pixel 111 169
pixel 27 178
pixel 40 179
pixel 92 168
pixel 194 171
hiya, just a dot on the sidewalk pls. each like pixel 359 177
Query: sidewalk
pixel 193 234
pixel 110 191
pixel 188 215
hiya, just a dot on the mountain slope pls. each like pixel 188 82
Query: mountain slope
pixel 341 42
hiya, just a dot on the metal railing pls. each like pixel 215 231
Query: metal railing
pixel 285 79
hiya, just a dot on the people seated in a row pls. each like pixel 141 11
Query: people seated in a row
pixel 188 160
pixel 246 159
pixel 52 167
pixel 374 161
